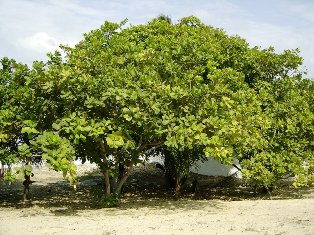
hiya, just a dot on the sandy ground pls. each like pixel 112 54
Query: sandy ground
pixel 56 208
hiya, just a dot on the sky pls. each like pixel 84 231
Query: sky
pixel 31 28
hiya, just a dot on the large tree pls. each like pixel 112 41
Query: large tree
pixel 185 88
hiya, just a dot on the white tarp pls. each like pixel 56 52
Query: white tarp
pixel 210 167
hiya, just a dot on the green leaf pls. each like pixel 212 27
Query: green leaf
pixel 115 140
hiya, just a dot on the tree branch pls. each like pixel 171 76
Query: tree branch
pixel 154 144
pixel 124 178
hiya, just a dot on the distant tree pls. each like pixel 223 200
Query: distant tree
pixel 165 18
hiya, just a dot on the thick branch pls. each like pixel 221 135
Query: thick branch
pixel 103 155
pixel 153 144
pixel 140 143
pixel 124 178
pixel 107 183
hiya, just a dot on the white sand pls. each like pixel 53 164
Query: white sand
pixel 293 217
pixel 160 216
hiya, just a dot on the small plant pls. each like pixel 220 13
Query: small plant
pixel 105 201
pixel 112 201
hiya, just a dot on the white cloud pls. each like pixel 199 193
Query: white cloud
pixel 42 42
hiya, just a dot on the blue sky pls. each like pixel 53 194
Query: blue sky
pixel 31 28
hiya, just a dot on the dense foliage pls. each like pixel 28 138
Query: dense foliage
pixel 187 89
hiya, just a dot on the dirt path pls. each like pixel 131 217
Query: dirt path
pixel 57 209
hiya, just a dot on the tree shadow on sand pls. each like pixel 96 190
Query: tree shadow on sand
pixel 58 194
pixel 144 189
pixel 62 200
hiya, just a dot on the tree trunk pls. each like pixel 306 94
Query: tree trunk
pixel 124 178
pixel 178 187
pixel 103 155
pixel 26 192
pixel 27 182
pixel 107 183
